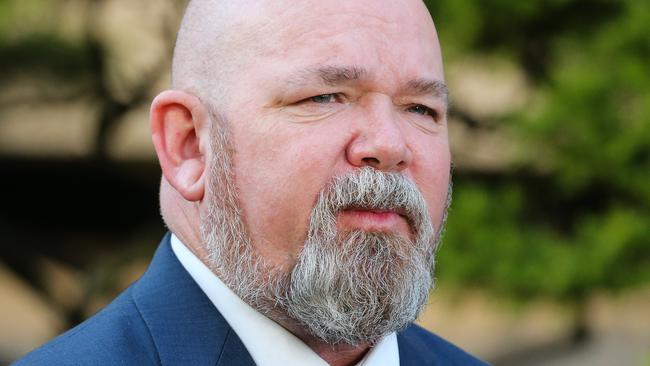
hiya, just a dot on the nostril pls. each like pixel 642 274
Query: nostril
pixel 371 161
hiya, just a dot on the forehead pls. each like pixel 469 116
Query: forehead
pixel 389 38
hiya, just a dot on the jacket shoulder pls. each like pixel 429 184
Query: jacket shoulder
pixel 418 346
pixel 117 335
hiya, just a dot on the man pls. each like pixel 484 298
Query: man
pixel 305 183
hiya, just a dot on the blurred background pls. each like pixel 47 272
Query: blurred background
pixel 546 258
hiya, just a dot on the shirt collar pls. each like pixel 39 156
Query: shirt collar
pixel 267 342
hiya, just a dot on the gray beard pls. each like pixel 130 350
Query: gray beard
pixel 346 287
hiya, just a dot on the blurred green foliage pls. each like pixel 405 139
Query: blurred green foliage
pixel 30 42
pixel 571 221
pixel 577 218
pixel 46 54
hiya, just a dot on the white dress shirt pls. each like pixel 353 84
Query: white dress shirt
pixel 268 343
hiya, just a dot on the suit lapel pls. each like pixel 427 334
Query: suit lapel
pixel 185 326
pixel 234 353
pixel 412 351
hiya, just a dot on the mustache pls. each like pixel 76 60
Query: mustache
pixel 371 189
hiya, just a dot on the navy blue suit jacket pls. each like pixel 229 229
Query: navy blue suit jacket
pixel 165 319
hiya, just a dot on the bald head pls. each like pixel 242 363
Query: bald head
pixel 218 38
pixel 205 51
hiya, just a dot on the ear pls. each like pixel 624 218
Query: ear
pixel 179 128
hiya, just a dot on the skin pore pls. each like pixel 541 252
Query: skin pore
pixel 311 91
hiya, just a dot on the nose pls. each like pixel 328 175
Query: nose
pixel 379 141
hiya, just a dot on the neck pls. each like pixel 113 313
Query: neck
pixel 335 355
pixel 341 355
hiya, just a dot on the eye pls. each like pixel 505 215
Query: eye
pixel 324 98
pixel 423 110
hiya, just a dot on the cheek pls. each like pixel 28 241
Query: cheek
pixel 278 180
pixel 432 176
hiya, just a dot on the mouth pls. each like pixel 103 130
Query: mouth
pixel 374 220
pixel 399 211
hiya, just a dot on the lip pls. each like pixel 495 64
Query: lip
pixel 374 220
pixel 399 211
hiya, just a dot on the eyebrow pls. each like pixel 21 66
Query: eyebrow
pixel 329 75
pixel 337 75
pixel 436 88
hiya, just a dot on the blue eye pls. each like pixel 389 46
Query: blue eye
pixel 423 110
pixel 324 98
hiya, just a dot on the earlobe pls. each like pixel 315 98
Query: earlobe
pixel 179 122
